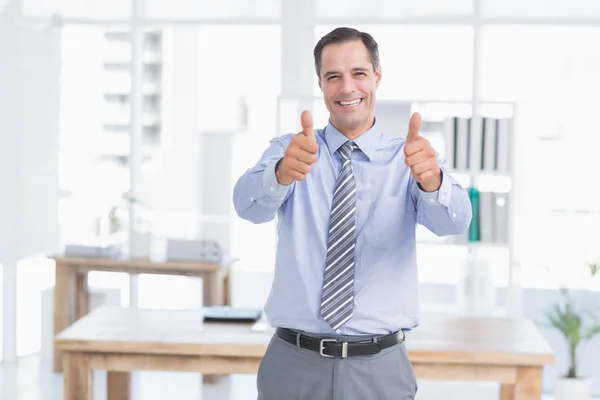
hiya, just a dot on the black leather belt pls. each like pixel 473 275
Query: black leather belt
pixel 331 347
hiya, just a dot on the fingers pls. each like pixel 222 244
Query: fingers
pixel 429 174
pixel 419 154
pixel 416 145
pixel 306 120
pixel 299 157
pixel 298 170
pixel 422 159
pixel 304 142
pixel 301 154
pixel 307 144
pixel 424 166
pixel 414 125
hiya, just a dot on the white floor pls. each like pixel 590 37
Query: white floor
pixel 33 379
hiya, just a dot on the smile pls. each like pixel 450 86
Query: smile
pixel 350 103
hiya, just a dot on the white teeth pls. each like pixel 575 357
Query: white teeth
pixel 350 103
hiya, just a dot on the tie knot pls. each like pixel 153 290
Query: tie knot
pixel 347 149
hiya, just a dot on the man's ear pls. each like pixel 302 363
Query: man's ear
pixel 378 77
pixel 320 87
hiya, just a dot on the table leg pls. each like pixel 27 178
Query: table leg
pixel 83 294
pixel 507 391
pixel 64 305
pixel 227 289
pixel 119 385
pixel 77 376
pixel 212 289
pixel 529 383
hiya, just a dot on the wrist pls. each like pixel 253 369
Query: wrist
pixel 433 185
pixel 281 179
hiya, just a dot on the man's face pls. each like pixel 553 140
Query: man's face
pixel 349 83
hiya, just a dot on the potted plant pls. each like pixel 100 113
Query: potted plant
pixel 140 242
pixel 577 326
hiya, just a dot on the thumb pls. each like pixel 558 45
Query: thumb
pixel 414 125
pixel 307 124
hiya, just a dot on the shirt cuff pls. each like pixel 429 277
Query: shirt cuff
pixel 440 197
pixel 271 186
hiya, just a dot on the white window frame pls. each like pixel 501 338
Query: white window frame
pixel 298 21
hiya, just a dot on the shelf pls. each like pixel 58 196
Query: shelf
pixel 123 119
pixel 148 89
pixel 464 244
pixel 491 174
pixel 429 308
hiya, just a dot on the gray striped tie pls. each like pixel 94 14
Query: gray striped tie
pixel 338 284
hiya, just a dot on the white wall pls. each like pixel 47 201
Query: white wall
pixel 29 111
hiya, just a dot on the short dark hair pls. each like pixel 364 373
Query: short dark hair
pixel 342 35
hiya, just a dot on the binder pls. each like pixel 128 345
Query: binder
pixel 475 221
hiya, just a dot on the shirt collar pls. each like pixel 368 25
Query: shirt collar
pixel 368 142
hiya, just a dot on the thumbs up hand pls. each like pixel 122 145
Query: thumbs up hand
pixel 421 158
pixel 300 154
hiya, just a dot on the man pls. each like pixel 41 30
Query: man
pixel 348 198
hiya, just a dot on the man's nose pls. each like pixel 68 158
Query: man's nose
pixel 348 85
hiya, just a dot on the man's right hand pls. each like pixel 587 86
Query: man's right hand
pixel 300 154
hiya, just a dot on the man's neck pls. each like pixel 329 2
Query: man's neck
pixel 353 133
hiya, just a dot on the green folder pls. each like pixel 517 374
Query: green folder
pixel 474 231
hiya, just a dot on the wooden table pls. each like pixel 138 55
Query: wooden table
pixel 71 294
pixel 511 352
pixel 121 340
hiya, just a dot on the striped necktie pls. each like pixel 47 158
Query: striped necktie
pixel 338 283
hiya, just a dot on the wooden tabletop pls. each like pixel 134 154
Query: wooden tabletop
pixel 490 340
pixel 438 339
pixel 133 265
pixel 181 332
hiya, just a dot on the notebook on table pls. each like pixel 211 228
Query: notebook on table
pixel 231 314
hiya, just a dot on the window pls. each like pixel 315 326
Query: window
pixel 94 144
pixel 219 88
pixel 384 9
pixel 98 9
pixel 541 9
pixel 421 62
pixel 207 9
pixel 1 308
pixel 555 79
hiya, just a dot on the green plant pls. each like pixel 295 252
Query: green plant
pixel 126 201
pixel 575 325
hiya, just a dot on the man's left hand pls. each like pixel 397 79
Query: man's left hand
pixel 421 158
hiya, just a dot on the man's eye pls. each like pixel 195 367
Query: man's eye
pixel 361 73
pixel 332 77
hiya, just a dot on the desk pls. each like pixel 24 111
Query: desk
pixel 511 352
pixel 122 340
pixel 71 295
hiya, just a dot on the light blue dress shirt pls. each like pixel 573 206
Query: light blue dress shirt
pixel 389 205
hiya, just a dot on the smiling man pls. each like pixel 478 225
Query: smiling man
pixel 348 198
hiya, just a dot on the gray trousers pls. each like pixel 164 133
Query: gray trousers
pixel 288 372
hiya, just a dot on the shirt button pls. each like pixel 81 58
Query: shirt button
pixel 337 330
pixel 443 196
pixel 272 188
pixel 251 198
pixel 453 215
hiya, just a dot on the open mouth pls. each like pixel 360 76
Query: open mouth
pixel 350 103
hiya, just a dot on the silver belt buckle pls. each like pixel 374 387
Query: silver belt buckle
pixel 322 347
